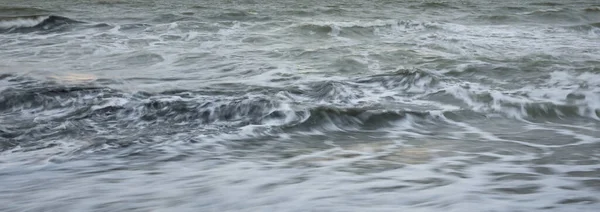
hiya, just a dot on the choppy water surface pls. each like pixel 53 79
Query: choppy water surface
pixel 136 105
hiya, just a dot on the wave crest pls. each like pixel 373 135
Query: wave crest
pixel 34 23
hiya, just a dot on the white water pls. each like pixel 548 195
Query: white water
pixel 397 106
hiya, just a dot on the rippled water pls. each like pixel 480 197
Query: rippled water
pixel 140 105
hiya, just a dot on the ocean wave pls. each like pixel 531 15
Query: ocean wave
pixel 434 5
pixel 559 15
pixel 62 112
pixel 497 19
pixel 550 13
pixel 21 11
pixel 595 9
pixel 110 2
pixel 62 103
pixel 328 118
pixel 555 14
pixel 316 28
pixel 239 15
pixel 549 4
pixel 33 110
pixel 366 89
pixel 591 27
pixel 34 23
pixel 170 18
pixel 361 29
pixel 517 8
pixel 517 105
pixel 408 80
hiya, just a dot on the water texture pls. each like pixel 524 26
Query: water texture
pixel 262 105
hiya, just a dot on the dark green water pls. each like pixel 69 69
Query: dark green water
pixel 474 105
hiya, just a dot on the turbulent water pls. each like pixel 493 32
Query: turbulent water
pixel 264 105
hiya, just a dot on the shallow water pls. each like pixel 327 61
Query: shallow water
pixel 121 105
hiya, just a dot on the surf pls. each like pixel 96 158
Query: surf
pixel 34 23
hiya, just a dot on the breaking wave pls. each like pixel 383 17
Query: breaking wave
pixel 44 110
pixel 25 24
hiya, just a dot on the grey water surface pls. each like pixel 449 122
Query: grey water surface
pixel 265 105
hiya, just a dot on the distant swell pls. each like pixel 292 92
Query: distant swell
pixel 34 23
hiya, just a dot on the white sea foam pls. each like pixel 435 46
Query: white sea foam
pixel 21 22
